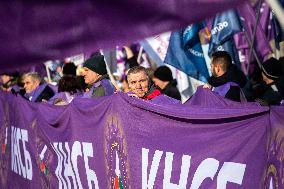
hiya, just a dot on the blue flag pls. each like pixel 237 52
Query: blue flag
pixel 190 36
pixel 224 26
pixel 185 53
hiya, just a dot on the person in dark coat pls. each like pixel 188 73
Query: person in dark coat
pixel 163 79
pixel 35 90
pixel 226 80
pixel 140 85
pixel 273 77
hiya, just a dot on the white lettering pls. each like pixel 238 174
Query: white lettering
pixel 183 173
pixel 196 53
pixel 76 151
pixel 24 169
pixel 207 169
pixel 91 175
pixel 68 172
pixel 58 169
pixel 149 184
pixel 14 152
pixel 219 27
pixel 28 160
pixel 230 172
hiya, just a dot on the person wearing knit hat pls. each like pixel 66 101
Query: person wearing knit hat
pixel 95 76
pixel 272 76
pixel 163 79
pixel 271 70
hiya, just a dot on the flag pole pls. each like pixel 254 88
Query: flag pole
pixel 140 54
pixel 253 50
pixel 111 77
pixel 254 34
pixel 48 73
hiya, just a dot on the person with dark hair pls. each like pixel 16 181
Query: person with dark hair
pixel 69 69
pixel 226 80
pixel 68 89
pixel 95 76
pixel 163 79
pixel 273 77
pixel 35 90
pixel 140 85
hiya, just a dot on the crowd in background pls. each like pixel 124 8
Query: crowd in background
pixel 92 80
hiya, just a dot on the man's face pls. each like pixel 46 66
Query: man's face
pixel 5 78
pixel 90 76
pixel 30 84
pixel 214 70
pixel 138 83
pixel 266 79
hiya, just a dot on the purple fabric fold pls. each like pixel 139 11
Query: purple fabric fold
pixel 33 32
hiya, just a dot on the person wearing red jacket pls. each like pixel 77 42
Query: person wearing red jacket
pixel 140 85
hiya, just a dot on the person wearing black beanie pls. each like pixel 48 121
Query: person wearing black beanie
pixel 95 76
pixel 163 79
pixel 273 77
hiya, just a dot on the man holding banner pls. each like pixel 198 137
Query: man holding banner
pixel 95 76
pixel 226 78
pixel 140 85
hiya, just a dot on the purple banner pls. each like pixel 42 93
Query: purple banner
pixel 275 165
pixel 33 32
pixel 124 142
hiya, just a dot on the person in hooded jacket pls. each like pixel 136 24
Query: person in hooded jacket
pixel 226 80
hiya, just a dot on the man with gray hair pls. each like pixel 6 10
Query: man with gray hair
pixel 140 85
pixel 36 91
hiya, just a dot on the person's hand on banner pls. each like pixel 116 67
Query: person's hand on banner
pixel 207 86
pixel 132 95
pixel 117 91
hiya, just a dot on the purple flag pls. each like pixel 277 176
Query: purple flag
pixel 33 32
pixel 266 21
pixel 261 44
pixel 274 169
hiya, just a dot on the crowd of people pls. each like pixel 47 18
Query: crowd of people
pixel 265 85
